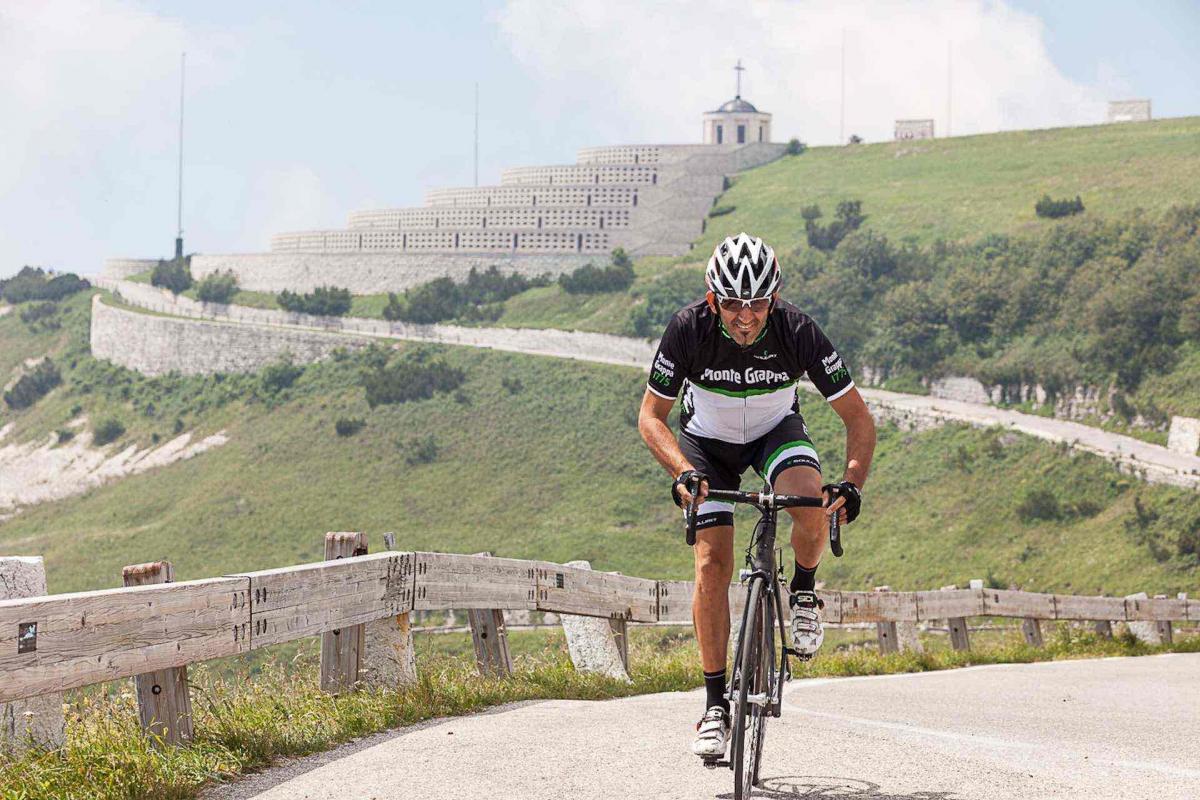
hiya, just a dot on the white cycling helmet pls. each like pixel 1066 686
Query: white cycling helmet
pixel 743 267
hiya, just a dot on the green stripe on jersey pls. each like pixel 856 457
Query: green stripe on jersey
pixel 744 392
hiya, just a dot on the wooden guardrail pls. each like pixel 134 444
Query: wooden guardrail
pixel 57 642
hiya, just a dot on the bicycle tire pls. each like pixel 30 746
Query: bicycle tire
pixel 748 676
pixel 769 678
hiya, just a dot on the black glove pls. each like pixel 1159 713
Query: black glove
pixel 687 479
pixel 849 491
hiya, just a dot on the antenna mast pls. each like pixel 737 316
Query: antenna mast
pixel 842 125
pixel 179 236
pixel 477 133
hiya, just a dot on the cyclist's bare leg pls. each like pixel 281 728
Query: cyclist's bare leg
pixel 710 603
pixel 809 526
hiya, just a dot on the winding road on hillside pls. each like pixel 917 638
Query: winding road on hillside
pixel 1149 461
pixel 1122 727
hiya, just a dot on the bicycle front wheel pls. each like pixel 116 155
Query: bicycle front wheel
pixel 751 693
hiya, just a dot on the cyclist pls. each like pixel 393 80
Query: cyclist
pixel 737 355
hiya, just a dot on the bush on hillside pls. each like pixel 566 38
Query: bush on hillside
pixel 1039 503
pixel 590 279
pixel 33 385
pixel 795 147
pixel 106 431
pixel 174 275
pixel 413 376
pixel 34 283
pixel 661 298
pixel 324 301
pixel 480 298
pixel 855 139
pixel 276 377
pixel 217 287
pixel 41 316
pixel 1054 209
pixel 827 237
pixel 420 450
pixel 348 426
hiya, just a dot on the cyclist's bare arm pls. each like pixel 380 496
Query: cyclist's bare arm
pixel 860 439
pixel 652 425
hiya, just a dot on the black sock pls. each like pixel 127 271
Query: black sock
pixel 804 578
pixel 714 685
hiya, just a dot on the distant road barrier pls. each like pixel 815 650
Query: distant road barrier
pixel 56 642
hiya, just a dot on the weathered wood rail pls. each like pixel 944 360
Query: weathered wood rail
pixel 57 642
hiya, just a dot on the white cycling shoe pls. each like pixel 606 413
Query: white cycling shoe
pixel 807 632
pixel 712 733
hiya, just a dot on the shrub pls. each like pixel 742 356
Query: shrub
pixel 348 426
pixel 795 147
pixel 664 296
pixel 65 435
pixel 513 385
pixel 827 237
pixel 1039 503
pixel 174 275
pixel 280 375
pixel 855 139
pixel 217 287
pixel 1053 209
pixel 324 301
pixel 34 283
pixel 720 211
pixel 590 279
pixel 106 431
pixel 412 377
pixel 420 450
pixel 33 385
pixel 480 297
pixel 44 312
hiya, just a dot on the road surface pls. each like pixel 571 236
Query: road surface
pixel 1108 728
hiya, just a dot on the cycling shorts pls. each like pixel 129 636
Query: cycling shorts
pixel 786 445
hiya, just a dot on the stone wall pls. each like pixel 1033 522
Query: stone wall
pixel 370 273
pixel 156 345
pixel 118 268
pixel 1184 435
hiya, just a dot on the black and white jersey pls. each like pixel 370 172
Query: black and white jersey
pixel 734 393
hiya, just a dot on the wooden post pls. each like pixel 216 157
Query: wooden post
pixel 34 720
pixel 1032 630
pixel 1164 625
pixel 889 641
pixel 1103 628
pixel 490 637
pixel 620 629
pixel 342 648
pixel 164 704
pixel 959 638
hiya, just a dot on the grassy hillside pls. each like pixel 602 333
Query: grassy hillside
pixel 539 458
pixel 959 188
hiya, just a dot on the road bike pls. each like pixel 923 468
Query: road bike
pixel 756 688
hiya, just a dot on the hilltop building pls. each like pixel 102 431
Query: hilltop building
pixel 1129 111
pixel 647 199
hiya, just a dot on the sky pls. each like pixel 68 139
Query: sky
pixel 298 113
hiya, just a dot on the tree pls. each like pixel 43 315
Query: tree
pixel 217 287
pixel 173 275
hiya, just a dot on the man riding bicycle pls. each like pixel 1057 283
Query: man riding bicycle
pixel 737 355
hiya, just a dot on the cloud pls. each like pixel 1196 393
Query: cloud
pixel 647 70
pixel 90 100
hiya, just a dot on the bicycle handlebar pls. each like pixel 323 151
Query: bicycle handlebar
pixel 762 501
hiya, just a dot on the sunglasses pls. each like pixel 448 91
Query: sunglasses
pixel 733 305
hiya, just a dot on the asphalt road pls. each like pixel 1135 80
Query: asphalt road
pixel 1111 728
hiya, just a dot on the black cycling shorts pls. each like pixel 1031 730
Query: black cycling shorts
pixel 786 445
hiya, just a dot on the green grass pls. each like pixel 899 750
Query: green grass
pixel 555 470
pixel 960 188
pixel 244 725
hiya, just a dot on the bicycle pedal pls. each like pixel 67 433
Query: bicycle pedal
pixel 713 763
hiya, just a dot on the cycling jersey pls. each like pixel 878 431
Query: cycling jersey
pixel 739 394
